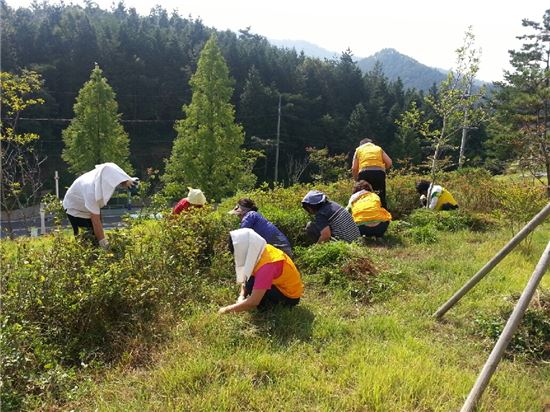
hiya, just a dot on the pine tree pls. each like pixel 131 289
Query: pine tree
pixel 95 134
pixel 206 151
pixel 522 120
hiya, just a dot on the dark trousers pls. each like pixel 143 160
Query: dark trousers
pixel 377 231
pixel 272 296
pixel 448 206
pixel 86 224
pixel 377 179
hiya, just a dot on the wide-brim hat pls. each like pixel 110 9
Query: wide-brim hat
pixel 314 197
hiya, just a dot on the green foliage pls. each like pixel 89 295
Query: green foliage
pixel 345 267
pixel 20 170
pixel 520 128
pixel 455 106
pixel 68 307
pixel 425 225
pixel 326 168
pixel 401 194
pixel 450 221
pixel 66 304
pixel 95 134
pixel 207 153
pixel 517 203
pixel 54 206
pixel 533 335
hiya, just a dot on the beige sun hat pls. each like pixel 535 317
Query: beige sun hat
pixel 196 197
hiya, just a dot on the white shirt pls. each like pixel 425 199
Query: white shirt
pixel 91 191
pixel 434 191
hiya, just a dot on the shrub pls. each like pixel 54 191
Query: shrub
pixel 471 189
pixel 401 195
pixel 517 203
pixel 66 304
pixel 344 267
pixel 422 234
pixel 451 221
pixel 532 338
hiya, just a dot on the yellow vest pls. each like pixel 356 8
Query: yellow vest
pixel 369 155
pixel 368 209
pixel 289 283
pixel 445 197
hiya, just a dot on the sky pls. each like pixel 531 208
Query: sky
pixel 427 30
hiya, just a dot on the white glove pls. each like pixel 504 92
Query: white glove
pixel 104 243
pixel 240 298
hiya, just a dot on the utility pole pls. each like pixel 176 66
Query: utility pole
pixel 56 177
pixel 277 144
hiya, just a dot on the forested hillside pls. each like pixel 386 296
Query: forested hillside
pixel 395 65
pixel 148 61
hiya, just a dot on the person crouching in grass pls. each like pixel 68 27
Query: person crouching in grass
pixel 268 277
pixel 367 211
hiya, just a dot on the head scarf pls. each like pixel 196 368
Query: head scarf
pixel 196 197
pixel 248 248
pixel 107 177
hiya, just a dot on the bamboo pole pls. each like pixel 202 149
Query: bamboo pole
pixel 528 228
pixel 506 335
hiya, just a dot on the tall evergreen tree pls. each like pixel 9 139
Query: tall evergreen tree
pixel 95 134
pixel 523 100
pixel 206 152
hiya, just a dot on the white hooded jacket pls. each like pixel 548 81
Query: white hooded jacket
pixel 91 191
pixel 248 248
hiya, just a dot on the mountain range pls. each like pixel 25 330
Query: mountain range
pixel 395 65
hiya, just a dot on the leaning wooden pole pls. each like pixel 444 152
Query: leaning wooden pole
pixel 507 333
pixel 528 228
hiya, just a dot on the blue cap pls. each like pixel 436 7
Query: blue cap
pixel 314 197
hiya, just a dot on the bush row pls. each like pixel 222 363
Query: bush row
pixel 67 305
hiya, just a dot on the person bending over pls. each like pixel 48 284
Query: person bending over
pixel 266 274
pixel 247 211
pixel 195 198
pixel 331 219
pixel 89 193
pixel 367 211
pixel 435 197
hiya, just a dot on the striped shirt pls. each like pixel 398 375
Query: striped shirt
pixel 340 221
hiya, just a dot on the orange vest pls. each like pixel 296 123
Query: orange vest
pixel 369 155
pixel 289 283
pixel 368 209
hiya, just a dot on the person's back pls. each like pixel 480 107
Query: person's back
pixel 370 163
pixel 367 211
pixel 287 280
pixel 271 233
pixel 247 211
pixel 370 156
pixel 367 208
pixel 441 199
pixel 80 200
pixel 340 221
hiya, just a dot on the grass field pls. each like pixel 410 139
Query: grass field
pixel 341 349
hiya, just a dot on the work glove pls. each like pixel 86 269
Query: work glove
pixel 104 243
